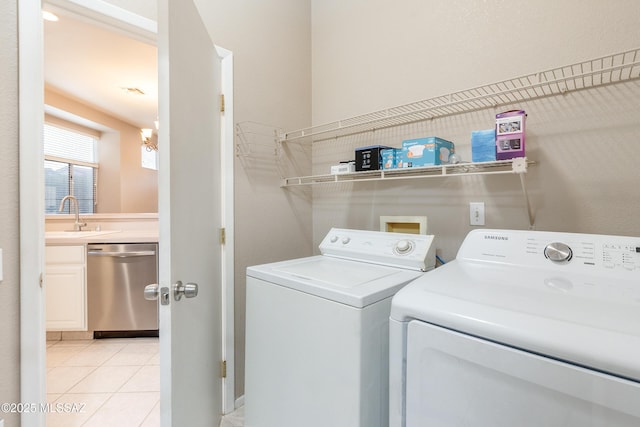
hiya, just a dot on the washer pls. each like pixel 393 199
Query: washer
pixel 317 330
pixel 524 328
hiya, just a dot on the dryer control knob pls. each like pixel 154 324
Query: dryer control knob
pixel 346 240
pixel 558 252
pixel 334 239
pixel 404 247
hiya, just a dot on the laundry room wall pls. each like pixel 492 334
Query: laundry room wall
pixel 9 213
pixel 369 55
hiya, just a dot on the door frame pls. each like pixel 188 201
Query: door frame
pixel 32 218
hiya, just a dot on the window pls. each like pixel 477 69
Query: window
pixel 70 167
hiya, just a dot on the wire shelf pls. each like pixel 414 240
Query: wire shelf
pixel 513 166
pixel 609 69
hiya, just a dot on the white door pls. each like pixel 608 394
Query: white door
pixel 189 209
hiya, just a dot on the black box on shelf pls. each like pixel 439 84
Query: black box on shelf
pixel 369 158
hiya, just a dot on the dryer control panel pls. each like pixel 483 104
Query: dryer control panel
pixel 411 251
pixel 567 251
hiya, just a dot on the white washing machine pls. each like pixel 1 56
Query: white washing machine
pixel 524 328
pixel 317 330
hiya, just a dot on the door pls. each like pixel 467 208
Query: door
pixel 189 209
pixel 453 379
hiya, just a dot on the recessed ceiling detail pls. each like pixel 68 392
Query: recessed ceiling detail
pixel 100 67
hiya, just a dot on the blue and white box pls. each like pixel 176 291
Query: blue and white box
pixel 390 158
pixel 426 152
pixel 483 145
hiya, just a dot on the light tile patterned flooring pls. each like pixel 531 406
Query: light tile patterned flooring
pixel 116 381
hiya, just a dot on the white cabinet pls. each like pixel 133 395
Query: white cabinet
pixel 66 289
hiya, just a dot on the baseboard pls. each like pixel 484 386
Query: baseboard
pixel 239 402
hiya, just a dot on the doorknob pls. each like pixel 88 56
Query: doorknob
pixel 151 293
pixel 189 290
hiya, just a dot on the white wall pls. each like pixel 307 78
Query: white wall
pixel 373 54
pixel 9 220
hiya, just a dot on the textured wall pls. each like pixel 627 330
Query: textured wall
pixel 9 224
pixel 369 55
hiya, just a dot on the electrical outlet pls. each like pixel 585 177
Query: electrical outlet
pixel 476 213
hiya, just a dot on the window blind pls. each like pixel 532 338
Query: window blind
pixel 69 145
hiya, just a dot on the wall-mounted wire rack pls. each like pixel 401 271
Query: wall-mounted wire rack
pixel 500 167
pixel 615 68
pixel 517 166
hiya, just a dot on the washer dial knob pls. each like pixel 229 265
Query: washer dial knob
pixel 558 252
pixel 404 247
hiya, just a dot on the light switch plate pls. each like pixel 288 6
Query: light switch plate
pixel 476 213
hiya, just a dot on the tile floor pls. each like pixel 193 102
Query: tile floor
pixel 115 381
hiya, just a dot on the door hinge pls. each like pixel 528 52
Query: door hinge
pixel 223 369
pixel 223 236
pixel 222 102
pixel 41 280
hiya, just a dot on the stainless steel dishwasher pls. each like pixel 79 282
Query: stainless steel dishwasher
pixel 116 277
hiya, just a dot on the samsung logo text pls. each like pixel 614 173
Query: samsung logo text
pixel 492 237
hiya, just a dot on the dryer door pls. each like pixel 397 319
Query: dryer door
pixel 459 380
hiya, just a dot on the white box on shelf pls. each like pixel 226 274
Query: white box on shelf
pixel 343 168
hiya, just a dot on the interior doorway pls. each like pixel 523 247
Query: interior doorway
pixel 31 101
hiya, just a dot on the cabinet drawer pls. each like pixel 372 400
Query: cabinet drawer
pixel 64 254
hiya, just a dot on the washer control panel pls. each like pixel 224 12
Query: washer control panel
pixel 411 251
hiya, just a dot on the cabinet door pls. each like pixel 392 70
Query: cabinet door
pixel 65 289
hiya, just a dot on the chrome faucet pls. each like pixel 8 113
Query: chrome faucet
pixel 77 226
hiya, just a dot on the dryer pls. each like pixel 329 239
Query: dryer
pixel 317 330
pixel 524 328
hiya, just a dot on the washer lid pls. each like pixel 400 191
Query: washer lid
pixel 585 310
pixel 354 283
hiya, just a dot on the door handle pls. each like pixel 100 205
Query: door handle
pixel 122 254
pixel 189 290
pixel 152 293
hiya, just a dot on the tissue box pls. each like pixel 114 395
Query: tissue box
pixel 369 158
pixel 343 167
pixel 510 128
pixel 425 152
pixel 483 145
pixel 390 158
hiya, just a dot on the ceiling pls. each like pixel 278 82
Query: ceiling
pixel 94 65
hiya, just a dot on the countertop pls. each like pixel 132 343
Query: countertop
pixel 104 236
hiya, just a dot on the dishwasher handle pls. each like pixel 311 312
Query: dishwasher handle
pixel 121 254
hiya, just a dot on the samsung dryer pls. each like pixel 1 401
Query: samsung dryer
pixel 317 330
pixel 524 329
